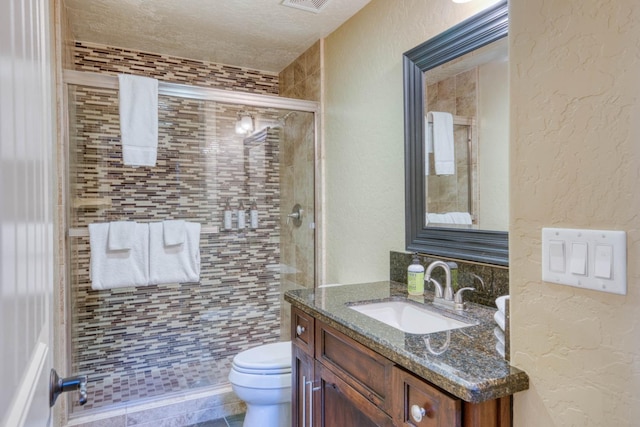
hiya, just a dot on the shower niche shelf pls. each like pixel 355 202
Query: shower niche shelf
pixel 91 203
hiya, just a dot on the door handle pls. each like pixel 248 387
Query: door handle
pixel 58 385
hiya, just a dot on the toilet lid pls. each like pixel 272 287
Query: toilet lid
pixel 268 358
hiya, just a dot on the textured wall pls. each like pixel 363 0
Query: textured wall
pixel 575 162
pixel 364 134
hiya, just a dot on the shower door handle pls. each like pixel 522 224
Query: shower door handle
pixel 58 385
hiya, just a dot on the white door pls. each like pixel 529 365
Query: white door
pixel 27 136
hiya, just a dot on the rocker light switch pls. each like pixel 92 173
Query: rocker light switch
pixel 604 258
pixel 556 256
pixel 579 258
pixel 587 259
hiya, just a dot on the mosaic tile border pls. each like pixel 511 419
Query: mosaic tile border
pixel 113 60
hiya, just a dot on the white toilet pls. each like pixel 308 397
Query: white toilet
pixel 261 376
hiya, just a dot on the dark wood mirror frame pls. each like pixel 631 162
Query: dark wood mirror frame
pixel 491 247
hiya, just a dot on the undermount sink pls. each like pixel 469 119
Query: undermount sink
pixel 409 317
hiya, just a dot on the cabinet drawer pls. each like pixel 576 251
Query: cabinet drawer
pixel 363 369
pixel 302 330
pixel 422 405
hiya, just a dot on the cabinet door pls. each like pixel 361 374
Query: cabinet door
pixel 337 404
pixel 302 330
pixel 363 369
pixel 302 375
pixel 492 413
pixel 419 404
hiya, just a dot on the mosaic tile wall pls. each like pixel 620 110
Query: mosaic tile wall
pixel 140 332
pixel 490 281
pixel 147 341
pixel 113 60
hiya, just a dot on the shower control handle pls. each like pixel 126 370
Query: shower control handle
pixel 58 385
pixel 296 215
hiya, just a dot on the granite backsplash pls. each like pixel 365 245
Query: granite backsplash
pixel 489 281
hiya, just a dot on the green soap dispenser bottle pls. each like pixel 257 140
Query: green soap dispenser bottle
pixel 415 277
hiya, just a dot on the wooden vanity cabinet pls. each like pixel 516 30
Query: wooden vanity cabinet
pixel 339 382
pixel 302 368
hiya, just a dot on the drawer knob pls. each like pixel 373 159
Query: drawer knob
pixel 300 330
pixel 417 413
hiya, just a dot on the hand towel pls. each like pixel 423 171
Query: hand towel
pixel 500 348
pixel 501 303
pixel 442 139
pixel 173 232
pixel 177 263
pixel 138 119
pixel 121 234
pixel 500 320
pixel 118 269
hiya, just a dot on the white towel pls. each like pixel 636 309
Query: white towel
pixel 173 232
pixel 440 137
pixel 121 234
pixel 460 217
pixel 138 119
pixel 500 348
pixel 500 320
pixel 428 144
pixel 499 333
pixel 463 218
pixel 118 269
pixel 501 303
pixel 174 264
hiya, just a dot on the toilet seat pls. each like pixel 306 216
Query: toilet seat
pixel 269 359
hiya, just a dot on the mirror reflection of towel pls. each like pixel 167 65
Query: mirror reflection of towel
pixel 449 218
pixel 439 140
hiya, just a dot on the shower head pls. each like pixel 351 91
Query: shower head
pixel 283 119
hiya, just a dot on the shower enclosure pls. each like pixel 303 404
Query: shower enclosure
pixel 150 341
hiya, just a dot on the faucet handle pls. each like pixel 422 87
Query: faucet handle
pixel 458 297
pixel 437 285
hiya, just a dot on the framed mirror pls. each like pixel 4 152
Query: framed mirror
pixel 456 141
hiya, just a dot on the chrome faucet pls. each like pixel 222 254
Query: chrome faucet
pixel 445 297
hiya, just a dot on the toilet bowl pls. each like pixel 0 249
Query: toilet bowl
pixel 261 376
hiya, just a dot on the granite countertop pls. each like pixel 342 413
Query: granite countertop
pixel 468 367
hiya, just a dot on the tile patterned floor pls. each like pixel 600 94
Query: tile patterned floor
pixel 232 421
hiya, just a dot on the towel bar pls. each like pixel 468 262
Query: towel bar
pixel 84 231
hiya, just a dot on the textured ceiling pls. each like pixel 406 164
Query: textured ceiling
pixel 258 34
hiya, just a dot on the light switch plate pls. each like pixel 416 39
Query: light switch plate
pixel 606 255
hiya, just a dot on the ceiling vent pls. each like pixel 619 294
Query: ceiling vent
pixel 314 6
